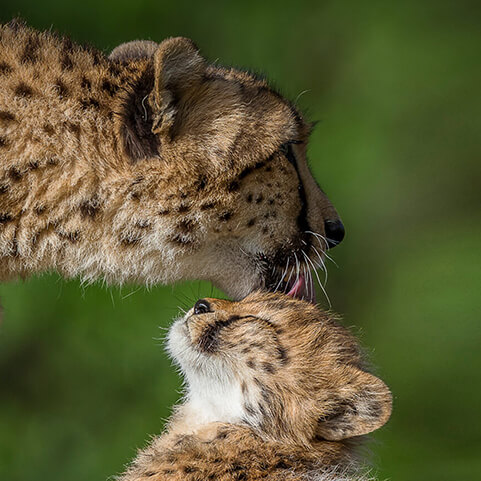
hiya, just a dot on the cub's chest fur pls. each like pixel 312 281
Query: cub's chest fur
pixel 150 166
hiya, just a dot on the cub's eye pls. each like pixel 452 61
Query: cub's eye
pixel 201 307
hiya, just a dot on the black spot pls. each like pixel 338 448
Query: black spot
pixel 164 211
pixel 48 129
pixel 3 188
pixel 282 353
pixel 85 83
pixel 251 222
pixel 6 116
pixel 207 206
pixel 233 186
pixel 5 68
pixel 282 465
pixel 33 165
pixel 136 195
pixel 3 141
pixel 249 198
pixel 225 216
pixel 259 199
pixel 4 218
pixel 89 208
pixel 61 88
pixel 251 363
pixel 109 87
pixel 39 209
pixel 186 226
pixel 30 52
pixel 23 90
pixel 268 367
pixel 183 208
pixel 201 183
pixel 14 174
pixel 52 161
pixel 90 103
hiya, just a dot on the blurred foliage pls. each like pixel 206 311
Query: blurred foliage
pixel 395 86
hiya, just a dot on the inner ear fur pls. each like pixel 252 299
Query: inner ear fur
pixel 362 405
pixel 178 66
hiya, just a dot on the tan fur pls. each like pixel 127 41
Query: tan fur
pixel 151 166
pixel 299 378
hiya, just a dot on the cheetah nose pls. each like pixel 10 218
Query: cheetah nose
pixel 334 230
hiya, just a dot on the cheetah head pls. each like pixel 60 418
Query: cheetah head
pixel 280 365
pixel 224 156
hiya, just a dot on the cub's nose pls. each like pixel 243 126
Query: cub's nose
pixel 334 230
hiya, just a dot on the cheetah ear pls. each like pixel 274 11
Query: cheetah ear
pixel 135 50
pixel 361 406
pixel 178 66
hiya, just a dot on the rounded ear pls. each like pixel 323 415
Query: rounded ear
pixel 361 405
pixel 135 50
pixel 178 66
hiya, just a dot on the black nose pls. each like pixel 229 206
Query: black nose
pixel 334 232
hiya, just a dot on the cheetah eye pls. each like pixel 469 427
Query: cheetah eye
pixel 201 307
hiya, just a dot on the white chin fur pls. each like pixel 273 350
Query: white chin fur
pixel 213 391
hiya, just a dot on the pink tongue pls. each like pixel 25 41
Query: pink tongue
pixel 303 289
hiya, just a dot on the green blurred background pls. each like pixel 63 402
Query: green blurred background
pixel 396 88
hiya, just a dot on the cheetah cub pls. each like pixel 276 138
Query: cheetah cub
pixel 276 390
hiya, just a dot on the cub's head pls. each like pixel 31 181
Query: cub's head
pixel 280 365
pixel 229 156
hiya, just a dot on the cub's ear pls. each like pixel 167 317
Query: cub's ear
pixel 361 405
pixel 178 66
pixel 135 50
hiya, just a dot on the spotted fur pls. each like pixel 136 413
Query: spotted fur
pixel 275 390
pixel 148 166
